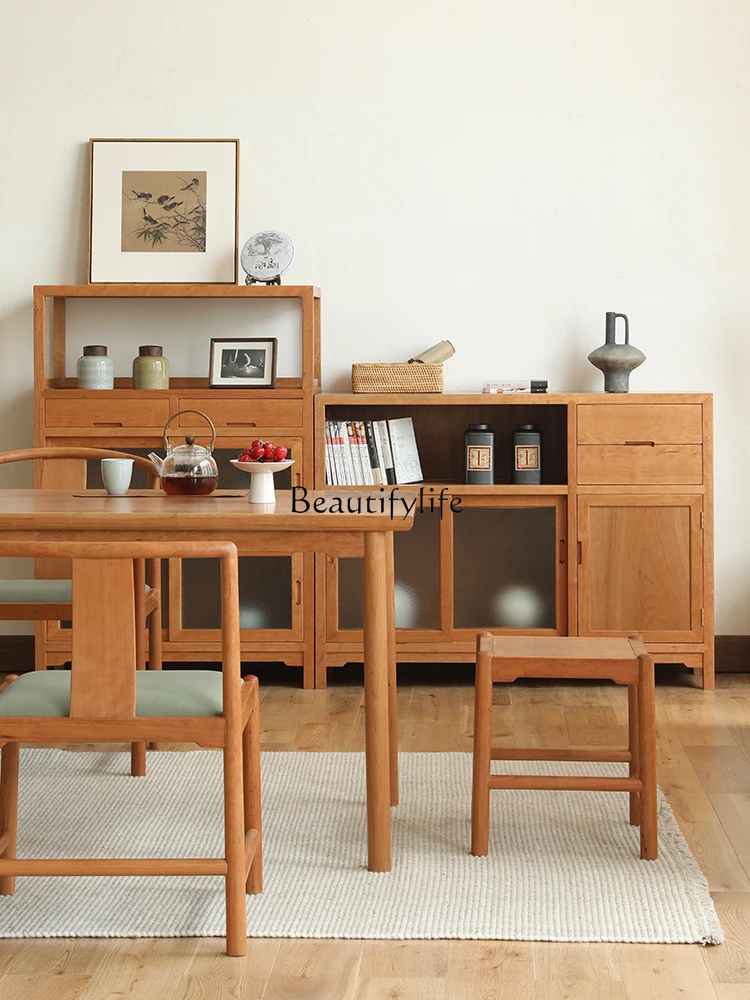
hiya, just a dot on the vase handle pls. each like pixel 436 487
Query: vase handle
pixel 627 326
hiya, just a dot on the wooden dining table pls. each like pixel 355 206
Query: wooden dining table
pixel 329 523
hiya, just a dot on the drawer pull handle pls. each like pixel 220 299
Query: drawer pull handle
pixel 113 423
pixel 240 423
pixel 646 444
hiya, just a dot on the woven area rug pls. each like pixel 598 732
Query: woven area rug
pixel 563 866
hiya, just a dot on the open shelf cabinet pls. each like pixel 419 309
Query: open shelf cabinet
pixel 276 593
pixel 616 539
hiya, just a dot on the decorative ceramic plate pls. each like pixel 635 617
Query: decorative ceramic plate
pixel 266 255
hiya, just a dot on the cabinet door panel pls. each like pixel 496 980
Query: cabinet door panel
pixel 641 567
pixel 507 568
pixel 416 582
pixel 270 598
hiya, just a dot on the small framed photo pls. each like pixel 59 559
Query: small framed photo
pixel 245 363
pixel 163 210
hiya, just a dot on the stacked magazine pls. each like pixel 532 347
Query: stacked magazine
pixel 371 452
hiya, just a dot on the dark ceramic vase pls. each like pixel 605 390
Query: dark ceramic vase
pixel 617 361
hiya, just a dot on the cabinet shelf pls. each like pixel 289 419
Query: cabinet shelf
pixel 455 487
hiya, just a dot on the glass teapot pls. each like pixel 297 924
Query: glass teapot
pixel 188 469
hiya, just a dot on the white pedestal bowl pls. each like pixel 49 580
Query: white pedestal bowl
pixel 261 478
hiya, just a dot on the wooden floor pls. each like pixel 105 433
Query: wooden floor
pixel 704 768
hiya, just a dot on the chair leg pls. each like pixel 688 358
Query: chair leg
pixel 634 769
pixel 138 760
pixel 647 740
pixel 480 796
pixel 234 843
pixel 251 794
pixel 9 809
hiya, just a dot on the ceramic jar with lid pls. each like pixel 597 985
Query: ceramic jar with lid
pixel 150 369
pixel 527 455
pixel 95 370
pixel 479 454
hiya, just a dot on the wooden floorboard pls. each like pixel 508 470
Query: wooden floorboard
pixel 704 769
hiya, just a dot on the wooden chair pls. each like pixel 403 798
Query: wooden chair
pixel 43 600
pixel 104 698
pixel 625 661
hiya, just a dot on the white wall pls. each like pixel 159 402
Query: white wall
pixel 497 172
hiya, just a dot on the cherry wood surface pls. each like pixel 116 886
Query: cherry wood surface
pixel 55 516
pixel 103 691
pixel 624 661
pixel 125 417
pixel 598 449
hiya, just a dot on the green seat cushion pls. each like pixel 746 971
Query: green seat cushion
pixel 158 693
pixel 37 591
pixel 33 591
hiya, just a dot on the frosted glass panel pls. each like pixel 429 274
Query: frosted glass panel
pixel 504 567
pixel 417 579
pixel 265 592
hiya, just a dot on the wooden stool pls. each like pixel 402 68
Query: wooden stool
pixel 624 661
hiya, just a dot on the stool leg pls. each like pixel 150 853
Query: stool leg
pixel 647 740
pixel 634 747
pixel 480 797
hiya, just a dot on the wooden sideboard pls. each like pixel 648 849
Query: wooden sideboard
pixel 276 593
pixel 617 539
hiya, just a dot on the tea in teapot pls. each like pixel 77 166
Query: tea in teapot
pixel 188 469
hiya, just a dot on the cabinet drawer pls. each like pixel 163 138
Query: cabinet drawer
pixel 107 412
pixel 641 464
pixel 243 412
pixel 655 423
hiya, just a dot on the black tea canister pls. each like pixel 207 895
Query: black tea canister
pixel 527 454
pixel 479 453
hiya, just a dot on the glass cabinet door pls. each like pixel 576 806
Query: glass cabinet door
pixel 270 598
pixel 508 565
pixel 416 557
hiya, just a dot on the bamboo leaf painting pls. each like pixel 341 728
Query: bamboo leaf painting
pixel 164 211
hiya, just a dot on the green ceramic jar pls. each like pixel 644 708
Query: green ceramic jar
pixel 150 369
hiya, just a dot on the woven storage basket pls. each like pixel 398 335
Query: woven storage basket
pixel 397 378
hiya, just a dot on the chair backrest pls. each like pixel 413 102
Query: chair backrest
pixel 103 662
pixel 54 473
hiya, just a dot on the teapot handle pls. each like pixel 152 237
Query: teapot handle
pixel 200 414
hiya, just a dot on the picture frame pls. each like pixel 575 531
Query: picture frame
pixel 242 363
pixel 163 211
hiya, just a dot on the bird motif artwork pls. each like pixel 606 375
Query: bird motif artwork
pixel 154 220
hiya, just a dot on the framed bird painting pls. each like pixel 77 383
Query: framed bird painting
pixel 163 210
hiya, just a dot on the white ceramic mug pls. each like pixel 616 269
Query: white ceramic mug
pixel 116 475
